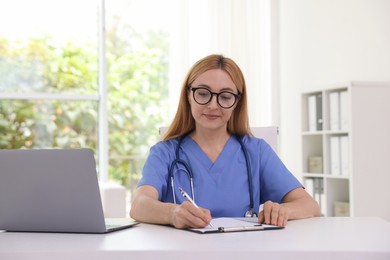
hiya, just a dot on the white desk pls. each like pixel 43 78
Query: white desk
pixel 316 238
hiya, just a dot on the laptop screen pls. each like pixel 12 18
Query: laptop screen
pixel 50 190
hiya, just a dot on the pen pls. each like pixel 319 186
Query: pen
pixel 185 195
pixel 244 228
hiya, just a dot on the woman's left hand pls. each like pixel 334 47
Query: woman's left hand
pixel 274 214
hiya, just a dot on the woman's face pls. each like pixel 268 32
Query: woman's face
pixel 212 116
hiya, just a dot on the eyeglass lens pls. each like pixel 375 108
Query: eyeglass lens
pixel 225 99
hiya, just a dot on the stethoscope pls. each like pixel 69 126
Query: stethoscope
pixel 249 213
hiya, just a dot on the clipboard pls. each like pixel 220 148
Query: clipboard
pixel 225 225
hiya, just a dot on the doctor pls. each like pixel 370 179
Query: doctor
pixel 209 152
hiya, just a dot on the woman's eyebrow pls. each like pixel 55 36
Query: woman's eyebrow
pixel 222 89
pixel 203 85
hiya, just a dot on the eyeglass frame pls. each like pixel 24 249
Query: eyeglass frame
pixel 236 96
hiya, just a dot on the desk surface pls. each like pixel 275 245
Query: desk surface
pixel 315 238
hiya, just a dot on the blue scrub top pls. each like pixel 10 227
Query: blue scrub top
pixel 222 186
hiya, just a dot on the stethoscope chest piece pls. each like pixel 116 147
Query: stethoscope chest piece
pixel 250 214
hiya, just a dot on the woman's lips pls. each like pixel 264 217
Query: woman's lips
pixel 211 117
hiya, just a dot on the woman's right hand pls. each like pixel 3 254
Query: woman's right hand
pixel 147 208
pixel 186 215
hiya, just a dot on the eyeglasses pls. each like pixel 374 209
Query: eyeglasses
pixel 225 99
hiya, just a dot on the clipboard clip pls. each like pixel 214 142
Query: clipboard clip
pixel 243 228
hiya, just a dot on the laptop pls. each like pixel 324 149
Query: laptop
pixel 52 190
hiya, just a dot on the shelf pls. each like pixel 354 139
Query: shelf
pixel 321 175
pixel 330 176
pixel 312 133
pixel 313 175
pixel 329 132
pixel 345 130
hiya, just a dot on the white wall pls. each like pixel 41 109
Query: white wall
pixel 324 42
pixel 238 29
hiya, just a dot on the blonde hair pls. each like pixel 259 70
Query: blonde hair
pixel 184 123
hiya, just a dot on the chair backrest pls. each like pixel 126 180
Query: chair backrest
pixel 268 133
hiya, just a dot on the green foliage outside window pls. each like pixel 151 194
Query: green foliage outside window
pixel 37 65
pixel 137 93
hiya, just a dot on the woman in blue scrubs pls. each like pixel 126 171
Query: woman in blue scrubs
pixel 209 152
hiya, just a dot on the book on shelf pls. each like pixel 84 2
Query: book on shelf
pixel 319 112
pixel 334 143
pixel 319 194
pixel 334 111
pixel 315 112
pixel 315 187
pixel 338 110
pixel 344 155
pixel 311 101
pixel 344 111
pixel 309 186
pixel 339 155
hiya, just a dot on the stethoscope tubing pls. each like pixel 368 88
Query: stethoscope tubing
pixel 250 184
pixel 188 171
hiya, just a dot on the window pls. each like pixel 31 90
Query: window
pixel 59 87
pixel 107 74
pixel 48 71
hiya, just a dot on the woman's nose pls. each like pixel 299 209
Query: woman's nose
pixel 213 102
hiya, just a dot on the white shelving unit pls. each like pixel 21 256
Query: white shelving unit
pixel 355 149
